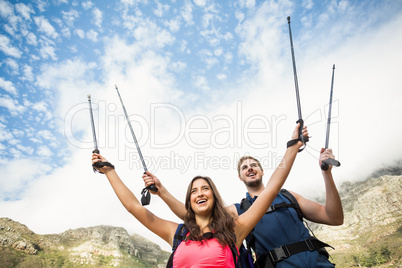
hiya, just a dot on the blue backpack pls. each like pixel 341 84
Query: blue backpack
pixel 180 235
pixel 269 259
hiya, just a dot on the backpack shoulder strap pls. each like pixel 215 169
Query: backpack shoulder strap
pixel 236 256
pixel 179 236
pixel 245 204
pixel 293 201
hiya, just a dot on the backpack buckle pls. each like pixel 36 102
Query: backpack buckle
pixel 309 244
pixel 279 254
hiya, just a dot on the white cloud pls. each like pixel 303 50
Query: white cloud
pixel 12 105
pixel 183 46
pixel 31 39
pixel 200 3
pixel 98 15
pixel 187 13
pixel 152 36
pixel 2 148
pixel 218 51
pixel 26 149
pixel 16 174
pixel 239 15
pixel 58 2
pixel 46 135
pixel 44 151
pixel 247 3
pixel 74 49
pixel 92 35
pixel 4 133
pixel 58 21
pixel 8 86
pixel 28 74
pixel 41 5
pixel 12 63
pixel 173 25
pixel 66 32
pixel 18 133
pixel 206 19
pixel 87 4
pixel 48 51
pixel 7 48
pixel 210 62
pixel 70 17
pixel 228 57
pixel 178 66
pixel 263 44
pixel 308 4
pixel 201 82
pixel 35 140
pixel 161 9
pixel 80 33
pixel 40 106
pixel 221 76
pixel 6 9
pixel 10 30
pixel 307 20
pixel 7 12
pixel 24 10
pixel 39 196
pixel 45 27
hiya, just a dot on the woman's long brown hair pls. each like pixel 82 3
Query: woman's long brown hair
pixel 222 223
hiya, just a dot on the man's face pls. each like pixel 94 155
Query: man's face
pixel 250 173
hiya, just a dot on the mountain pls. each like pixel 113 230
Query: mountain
pixel 100 246
pixel 370 236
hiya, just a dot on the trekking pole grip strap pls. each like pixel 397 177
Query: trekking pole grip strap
pixel 293 142
pixel 101 164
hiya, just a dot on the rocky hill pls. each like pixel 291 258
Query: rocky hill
pixel 370 236
pixel 100 246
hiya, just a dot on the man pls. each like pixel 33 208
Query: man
pixel 279 237
pixel 281 228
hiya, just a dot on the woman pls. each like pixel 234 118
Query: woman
pixel 206 214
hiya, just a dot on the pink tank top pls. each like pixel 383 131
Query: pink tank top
pixel 209 253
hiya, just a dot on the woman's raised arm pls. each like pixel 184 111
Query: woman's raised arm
pixel 163 228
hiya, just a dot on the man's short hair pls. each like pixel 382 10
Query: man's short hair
pixel 241 160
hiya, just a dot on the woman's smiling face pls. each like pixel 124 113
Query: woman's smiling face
pixel 202 197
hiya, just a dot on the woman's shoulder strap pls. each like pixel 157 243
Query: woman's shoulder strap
pixel 179 236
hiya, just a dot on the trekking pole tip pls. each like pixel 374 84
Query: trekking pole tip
pixel 89 96
pixel 115 86
pixel 333 66
pixel 288 19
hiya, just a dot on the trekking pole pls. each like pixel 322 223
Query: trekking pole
pixel 301 137
pixel 325 164
pixel 96 150
pixel 146 198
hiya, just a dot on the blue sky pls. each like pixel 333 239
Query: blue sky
pixel 204 82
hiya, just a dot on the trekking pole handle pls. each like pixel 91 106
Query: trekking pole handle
pixel 324 166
